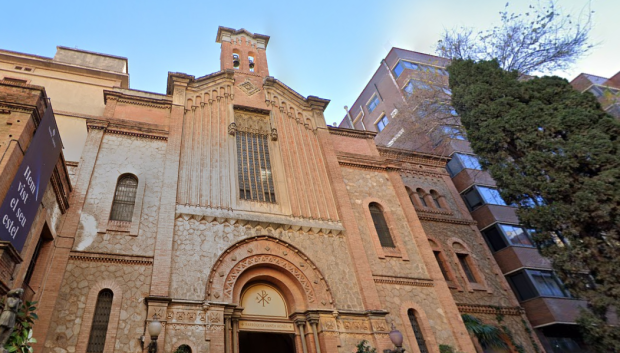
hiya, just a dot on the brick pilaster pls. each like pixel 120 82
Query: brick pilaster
pixel 370 296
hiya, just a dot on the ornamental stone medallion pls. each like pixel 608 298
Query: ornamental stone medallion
pixel 248 87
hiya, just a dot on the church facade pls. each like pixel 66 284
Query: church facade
pixel 229 211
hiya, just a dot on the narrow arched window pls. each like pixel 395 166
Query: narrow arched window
pixel 421 194
pixel 183 349
pixel 99 328
pixel 383 231
pixel 124 198
pixel 435 197
pixel 417 331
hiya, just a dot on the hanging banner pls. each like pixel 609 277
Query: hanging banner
pixel 22 201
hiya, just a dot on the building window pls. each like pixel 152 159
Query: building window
pixel 99 328
pixel 382 122
pixel 254 167
pixel 500 236
pixel 373 103
pixel 529 284
pixel 453 132
pixel 464 260
pixel 481 195
pixel 461 161
pixel 435 197
pixel 383 231
pixel 183 349
pixel 402 65
pixel 415 84
pixel 417 331
pixel 421 195
pixel 442 265
pixel 124 198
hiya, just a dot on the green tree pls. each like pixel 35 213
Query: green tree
pixel 556 155
pixel 489 336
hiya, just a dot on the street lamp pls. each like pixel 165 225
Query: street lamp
pixel 154 329
pixel 397 339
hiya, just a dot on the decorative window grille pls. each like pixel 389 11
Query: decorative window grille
pixel 383 231
pixel 124 198
pixel 254 167
pixel 417 331
pixel 99 328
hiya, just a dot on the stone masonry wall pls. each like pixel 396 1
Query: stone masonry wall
pixel 118 155
pixel 80 277
pixel 197 246
pixel 365 184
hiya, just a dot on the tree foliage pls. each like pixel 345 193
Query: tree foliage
pixel 21 338
pixel 489 336
pixel 364 347
pixel 555 154
pixel 541 40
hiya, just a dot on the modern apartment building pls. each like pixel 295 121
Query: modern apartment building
pixel 606 90
pixel 382 108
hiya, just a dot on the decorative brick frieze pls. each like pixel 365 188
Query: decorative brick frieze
pixel 416 282
pixel 490 309
pixel 352 133
pixel 115 259
pixel 437 218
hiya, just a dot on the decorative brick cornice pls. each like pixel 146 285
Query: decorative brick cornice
pixel 351 133
pixel 220 216
pixel 437 218
pixel 413 157
pixel 115 259
pixel 410 170
pixel 137 134
pixel 406 281
pixel 120 97
pixel 353 160
pixel 490 309
pixel 8 108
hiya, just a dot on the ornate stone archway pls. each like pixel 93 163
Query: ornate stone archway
pixel 288 265
pixel 265 259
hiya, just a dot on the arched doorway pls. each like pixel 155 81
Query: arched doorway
pixel 264 326
pixel 292 279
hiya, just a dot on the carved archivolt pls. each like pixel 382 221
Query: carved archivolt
pixel 271 260
pixel 273 253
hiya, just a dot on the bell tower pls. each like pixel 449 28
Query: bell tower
pixel 243 51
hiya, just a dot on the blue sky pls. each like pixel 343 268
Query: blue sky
pixel 328 49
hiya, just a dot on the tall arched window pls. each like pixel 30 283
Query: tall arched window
pixel 99 328
pixel 421 195
pixel 124 198
pixel 417 331
pixel 383 231
pixel 435 197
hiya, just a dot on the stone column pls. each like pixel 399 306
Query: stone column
pixel 314 321
pixel 301 323
pixel 227 334
pixel 235 329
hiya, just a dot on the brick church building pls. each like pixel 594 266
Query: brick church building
pixel 228 210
